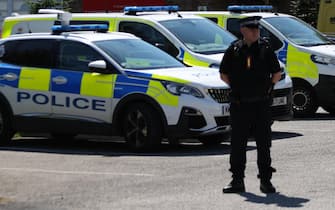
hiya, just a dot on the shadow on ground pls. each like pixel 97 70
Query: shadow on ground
pixel 111 147
pixel 276 135
pixel 116 146
pixel 277 199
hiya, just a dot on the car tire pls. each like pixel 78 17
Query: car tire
pixel 6 128
pixel 304 101
pixel 142 127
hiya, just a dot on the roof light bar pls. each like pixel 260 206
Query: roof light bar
pixel 58 29
pixel 249 8
pixel 134 9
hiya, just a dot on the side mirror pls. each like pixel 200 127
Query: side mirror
pixel 99 66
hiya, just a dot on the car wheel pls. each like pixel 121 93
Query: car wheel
pixel 329 109
pixel 6 129
pixel 303 101
pixel 142 127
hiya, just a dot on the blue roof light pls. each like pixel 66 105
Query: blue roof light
pixel 69 28
pixel 134 9
pixel 241 8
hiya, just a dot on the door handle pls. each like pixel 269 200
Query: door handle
pixel 9 77
pixel 59 80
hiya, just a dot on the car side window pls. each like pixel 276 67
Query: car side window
pixel 149 34
pixel 213 19
pixel 30 52
pixel 233 26
pixel 273 40
pixel 76 56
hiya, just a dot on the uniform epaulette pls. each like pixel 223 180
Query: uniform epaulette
pixel 264 45
pixel 264 42
pixel 238 43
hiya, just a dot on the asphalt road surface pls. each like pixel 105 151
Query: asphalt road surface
pixel 46 174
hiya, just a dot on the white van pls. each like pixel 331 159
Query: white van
pixel 308 55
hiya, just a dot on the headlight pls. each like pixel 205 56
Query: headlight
pixel 178 89
pixel 322 59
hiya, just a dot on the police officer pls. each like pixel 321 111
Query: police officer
pixel 251 69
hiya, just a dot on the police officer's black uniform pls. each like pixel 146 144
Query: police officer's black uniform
pixel 249 70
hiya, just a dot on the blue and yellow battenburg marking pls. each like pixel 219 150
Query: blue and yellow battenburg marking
pixel 7 69
pixel 84 84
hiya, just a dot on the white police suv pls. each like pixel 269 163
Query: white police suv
pixel 68 83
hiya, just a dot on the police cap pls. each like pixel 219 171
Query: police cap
pixel 250 22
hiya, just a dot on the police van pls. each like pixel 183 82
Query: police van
pixel 308 55
pixel 193 40
pixel 83 80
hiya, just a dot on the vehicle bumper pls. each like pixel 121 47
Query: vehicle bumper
pixel 282 111
pixel 193 123
pixel 325 90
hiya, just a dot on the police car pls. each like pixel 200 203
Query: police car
pixel 193 40
pixel 72 82
pixel 308 55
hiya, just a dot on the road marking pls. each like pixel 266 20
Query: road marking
pixel 34 170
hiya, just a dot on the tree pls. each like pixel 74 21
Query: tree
pixel 35 5
pixel 306 10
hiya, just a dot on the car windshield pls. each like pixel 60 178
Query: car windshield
pixel 298 31
pixel 137 54
pixel 200 35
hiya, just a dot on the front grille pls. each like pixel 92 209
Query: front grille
pixel 220 95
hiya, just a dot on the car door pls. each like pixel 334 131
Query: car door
pixel 25 75
pixel 77 93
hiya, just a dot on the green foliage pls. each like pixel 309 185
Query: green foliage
pixel 306 10
pixel 35 5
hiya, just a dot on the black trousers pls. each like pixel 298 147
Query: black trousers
pixel 247 118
